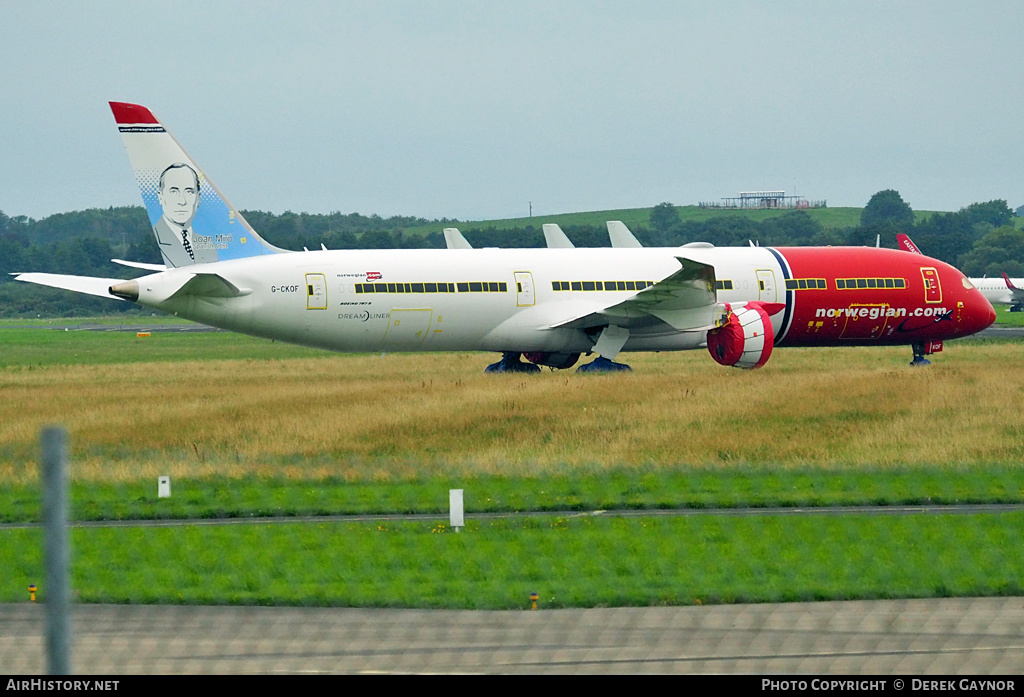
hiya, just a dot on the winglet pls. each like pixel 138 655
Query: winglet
pixel 1009 283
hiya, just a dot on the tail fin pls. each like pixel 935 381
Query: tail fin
pixel 620 235
pixel 907 244
pixel 192 221
pixel 555 238
pixel 453 239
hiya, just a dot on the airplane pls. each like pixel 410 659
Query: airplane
pixel 1005 291
pixel 549 305
pixel 1002 291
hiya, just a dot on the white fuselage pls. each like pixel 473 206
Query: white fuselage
pixel 995 289
pixel 492 300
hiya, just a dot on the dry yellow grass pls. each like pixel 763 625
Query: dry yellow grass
pixel 373 417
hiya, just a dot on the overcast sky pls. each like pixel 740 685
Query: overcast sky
pixel 473 109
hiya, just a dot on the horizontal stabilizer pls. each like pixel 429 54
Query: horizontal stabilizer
pixel 79 284
pixel 211 285
pixel 201 286
pixel 140 265
pixel 162 287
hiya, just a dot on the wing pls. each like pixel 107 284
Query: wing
pixel 686 301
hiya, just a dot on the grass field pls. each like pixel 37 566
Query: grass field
pixel 249 427
pixel 137 407
pixel 1005 318
pixel 569 562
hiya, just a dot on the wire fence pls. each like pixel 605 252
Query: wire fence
pixel 909 637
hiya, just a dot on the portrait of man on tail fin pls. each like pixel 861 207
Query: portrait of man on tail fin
pixel 178 194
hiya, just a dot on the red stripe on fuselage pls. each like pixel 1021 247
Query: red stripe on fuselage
pixel 880 315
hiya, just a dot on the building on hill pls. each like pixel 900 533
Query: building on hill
pixel 763 199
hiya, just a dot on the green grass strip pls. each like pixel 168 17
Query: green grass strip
pixel 631 489
pixel 569 561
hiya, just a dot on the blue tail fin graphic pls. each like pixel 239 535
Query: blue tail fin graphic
pixel 192 221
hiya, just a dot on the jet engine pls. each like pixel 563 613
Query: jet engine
pixel 560 361
pixel 746 339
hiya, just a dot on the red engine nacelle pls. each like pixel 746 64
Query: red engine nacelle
pixel 560 361
pixel 746 339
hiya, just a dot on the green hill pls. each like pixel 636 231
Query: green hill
pixel 828 218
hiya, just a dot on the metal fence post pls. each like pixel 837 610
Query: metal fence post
pixel 57 588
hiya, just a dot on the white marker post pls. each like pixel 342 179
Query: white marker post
pixel 455 514
pixel 163 487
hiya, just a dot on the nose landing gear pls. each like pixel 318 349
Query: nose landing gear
pixel 920 350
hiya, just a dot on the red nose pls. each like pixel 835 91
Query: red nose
pixel 980 312
pixel 991 315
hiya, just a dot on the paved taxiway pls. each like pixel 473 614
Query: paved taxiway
pixel 977 636
pixel 936 509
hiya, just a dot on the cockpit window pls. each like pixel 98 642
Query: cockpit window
pixel 967 283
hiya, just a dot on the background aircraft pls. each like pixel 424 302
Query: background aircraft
pixel 549 305
pixel 998 291
pixel 1002 291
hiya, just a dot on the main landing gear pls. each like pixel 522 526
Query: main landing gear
pixel 919 355
pixel 510 363
pixel 608 344
pixel 603 365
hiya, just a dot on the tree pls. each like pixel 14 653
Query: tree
pixel 946 236
pixel 664 217
pixel 792 228
pixel 996 213
pixel 1001 250
pixel 887 207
